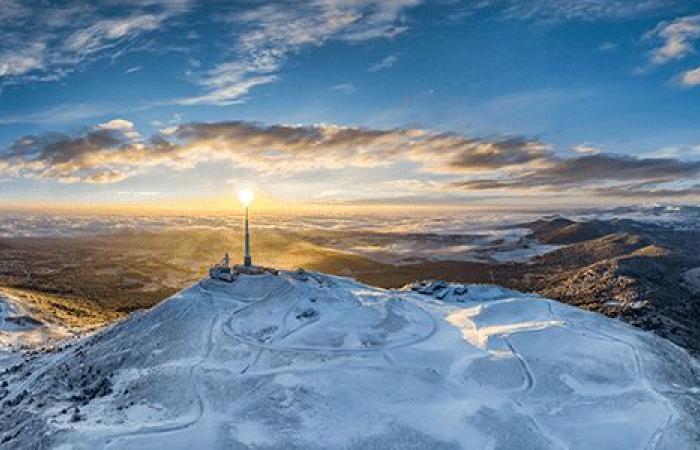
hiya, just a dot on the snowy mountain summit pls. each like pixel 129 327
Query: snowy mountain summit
pixel 304 360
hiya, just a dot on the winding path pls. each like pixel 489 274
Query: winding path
pixel 228 330
pixel 655 438
pixel 200 398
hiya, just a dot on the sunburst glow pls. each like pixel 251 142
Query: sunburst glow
pixel 245 196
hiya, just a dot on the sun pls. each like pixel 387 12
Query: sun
pixel 245 196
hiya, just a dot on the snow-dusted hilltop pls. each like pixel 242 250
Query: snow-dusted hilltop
pixel 311 361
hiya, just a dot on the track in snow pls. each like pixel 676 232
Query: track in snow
pixel 228 330
pixel 174 427
pixel 196 385
pixel 639 370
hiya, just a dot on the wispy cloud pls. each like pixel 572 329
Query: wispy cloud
pixel 344 88
pixel 690 78
pixel 586 10
pixel 59 114
pixel 25 59
pixel 385 63
pixel 47 42
pixel 676 39
pixel 226 87
pixel 266 36
pixel 608 47
pixel 643 192
pixel 11 11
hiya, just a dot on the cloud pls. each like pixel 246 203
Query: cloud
pixel 608 47
pixel 597 173
pixel 64 113
pixel 117 124
pixel 385 63
pixel 585 10
pixel 642 192
pixel 226 88
pixel 278 149
pixel 586 149
pixel 12 10
pixel 47 42
pixel 688 152
pixel 440 162
pixel 106 32
pixel 454 153
pixel 266 36
pixel 71 159
pixel 690 78
pixel 105 176
pixel 26 59
pixel 125 126
pixel 344 88
pixel 408 186
pixel 676 39
pixel 610 167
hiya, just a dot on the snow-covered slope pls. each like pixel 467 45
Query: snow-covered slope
pixel 19 329
pixel 289 361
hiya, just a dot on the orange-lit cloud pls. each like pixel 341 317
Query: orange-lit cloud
pixel 115 150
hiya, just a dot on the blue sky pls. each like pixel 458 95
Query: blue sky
pixel 447 102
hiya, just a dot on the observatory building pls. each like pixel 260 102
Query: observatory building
pixel 223 270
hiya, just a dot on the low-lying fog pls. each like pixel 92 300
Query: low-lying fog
pixel 464 236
